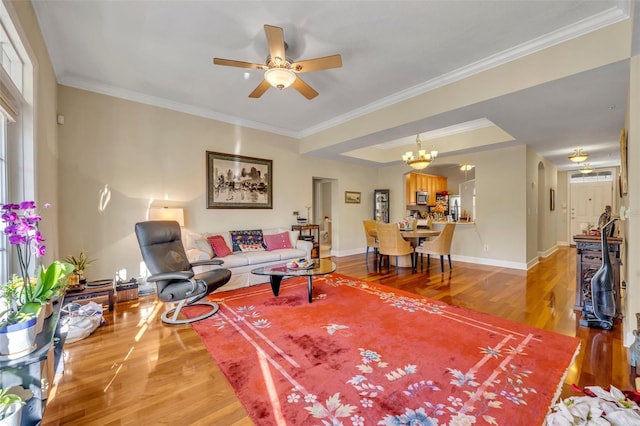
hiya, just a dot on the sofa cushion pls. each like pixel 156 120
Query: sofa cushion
pixel 258 258
pixel 277 241
pixel 253 236
pixel 192 240
pixel 251 247
pixel 293 235
pixel 235 261
pixel 219 245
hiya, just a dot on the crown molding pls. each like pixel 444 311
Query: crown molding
pixel 585 26
pixel 608 17
pixel 156 101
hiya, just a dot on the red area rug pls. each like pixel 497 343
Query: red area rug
pixel 366 354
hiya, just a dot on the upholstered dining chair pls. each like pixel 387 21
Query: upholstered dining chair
pixel 372 239
pixel 440 245
pixel 164 255
pixel 391 243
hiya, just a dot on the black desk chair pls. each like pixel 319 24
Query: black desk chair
pixel 164 255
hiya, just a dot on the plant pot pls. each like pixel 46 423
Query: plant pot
pixel 40 320
pixel 18 339
pixel 48 309
pixel 13 416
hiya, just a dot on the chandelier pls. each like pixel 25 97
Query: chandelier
pixel 578 156
pixel 586 169
pixel 422 159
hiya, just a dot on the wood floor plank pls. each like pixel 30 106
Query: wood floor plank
pixel 136 370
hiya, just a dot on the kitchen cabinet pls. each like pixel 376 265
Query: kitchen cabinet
pixel 423 182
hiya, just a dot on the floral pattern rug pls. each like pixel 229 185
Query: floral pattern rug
pixel 366 354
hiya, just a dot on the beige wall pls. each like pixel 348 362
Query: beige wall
pixel 141 154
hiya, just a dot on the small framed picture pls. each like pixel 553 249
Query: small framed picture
pixel 552 199
pixel 351 197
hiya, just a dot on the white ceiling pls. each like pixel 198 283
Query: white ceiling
pixel 160 53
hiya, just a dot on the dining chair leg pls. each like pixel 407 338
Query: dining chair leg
pixel 428 260
pixel 441 263
pixel 449 256
pixel 396 263
pixel 366 256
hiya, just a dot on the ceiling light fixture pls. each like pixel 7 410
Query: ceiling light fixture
pixel 466 167
pixel 422 159
pixel 280 78
pixel 578 156
pixel 586 169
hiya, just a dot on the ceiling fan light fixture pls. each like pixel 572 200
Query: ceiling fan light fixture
pixel 280 78
pixel 578 156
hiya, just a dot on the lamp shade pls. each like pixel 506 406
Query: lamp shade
pixel 165 213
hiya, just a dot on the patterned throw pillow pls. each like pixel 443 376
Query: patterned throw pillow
pixel 219 245
pixel 253 236
pixel 277 241
pixel 251 247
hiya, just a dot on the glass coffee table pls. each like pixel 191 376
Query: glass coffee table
pixel 277 272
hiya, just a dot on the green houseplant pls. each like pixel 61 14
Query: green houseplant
pixel 11 405
pixel 80 263
pixel 24 296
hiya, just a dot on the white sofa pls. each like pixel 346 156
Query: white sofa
pixel 241 263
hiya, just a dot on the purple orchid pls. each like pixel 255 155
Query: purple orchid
pixel 21 228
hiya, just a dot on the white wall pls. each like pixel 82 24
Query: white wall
pixel 44 134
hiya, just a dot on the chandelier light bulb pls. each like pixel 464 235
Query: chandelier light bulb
pixel 578 156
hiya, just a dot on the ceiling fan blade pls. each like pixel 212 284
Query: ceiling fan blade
pixel 259 91
pixel 304 89
pixel 324 63
pixel 239 64
pixel 275 38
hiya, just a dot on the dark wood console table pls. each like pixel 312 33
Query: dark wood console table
pixel 589 260
pixel 36 370
pixel 312 232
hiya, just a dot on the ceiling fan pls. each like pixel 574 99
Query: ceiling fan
pixel 280 71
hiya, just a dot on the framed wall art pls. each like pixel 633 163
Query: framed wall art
pixel 552 199
pixel 351 197
pixel 238 182
pixel 623 162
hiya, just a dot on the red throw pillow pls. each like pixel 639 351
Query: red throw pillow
pixel 277 241
pixel 219 245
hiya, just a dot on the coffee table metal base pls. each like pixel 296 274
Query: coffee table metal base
pixel 275 281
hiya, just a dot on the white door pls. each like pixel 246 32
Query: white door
pixel 588 201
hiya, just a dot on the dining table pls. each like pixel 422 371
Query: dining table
pixel 414 236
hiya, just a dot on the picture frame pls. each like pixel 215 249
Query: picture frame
pixel 623 162
pixel 552 199
pixel 238 182
pixel 351 197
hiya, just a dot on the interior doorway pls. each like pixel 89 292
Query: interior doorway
pixel 323 189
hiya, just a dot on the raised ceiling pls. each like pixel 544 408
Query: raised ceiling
pixel 160 53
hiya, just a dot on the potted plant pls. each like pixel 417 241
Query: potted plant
pixel 23 297
pixel 80 263
pixel 11 402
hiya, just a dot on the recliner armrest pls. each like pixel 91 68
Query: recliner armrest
pixel 207 262
pixel 180 275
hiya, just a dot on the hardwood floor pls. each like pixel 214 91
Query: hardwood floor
pixel 135 370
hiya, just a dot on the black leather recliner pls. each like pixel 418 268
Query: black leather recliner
pixel 164 255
